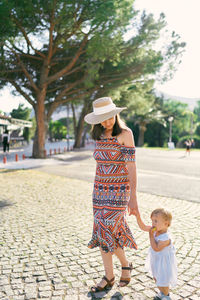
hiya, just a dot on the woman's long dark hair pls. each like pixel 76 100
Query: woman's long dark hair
pixel 98 130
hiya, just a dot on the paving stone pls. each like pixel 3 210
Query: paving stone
pixel 17 286
pixel 60 286
pixel 58 293
pixel 45 294
pixel 71 297
pixel 22 297
pixel 194 297
pixel 45 288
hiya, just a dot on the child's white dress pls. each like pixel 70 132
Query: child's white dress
pixel 162 265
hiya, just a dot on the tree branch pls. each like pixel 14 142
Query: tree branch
pixel 51 29
pixel 11 71
pixel 69 73
pixel 24 69
pixel 76 27
pixel 26 36
pixel 70 65
pixel 53 105
pixel 25 54
pixel 69 87
pixel 26 96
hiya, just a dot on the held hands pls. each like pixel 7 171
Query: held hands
pixel 133 207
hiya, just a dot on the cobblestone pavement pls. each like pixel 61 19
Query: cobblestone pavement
pixel 45 225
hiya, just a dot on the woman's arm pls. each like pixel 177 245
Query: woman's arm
pixel 132 175
pixel 128 141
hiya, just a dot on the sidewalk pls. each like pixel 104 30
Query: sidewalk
pixel 46 223
pixel 30 163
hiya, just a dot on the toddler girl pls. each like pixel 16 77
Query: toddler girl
pixel 161 259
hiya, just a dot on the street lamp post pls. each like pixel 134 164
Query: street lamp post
pixel 67 126
pixel 170 119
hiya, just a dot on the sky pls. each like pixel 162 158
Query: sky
pixel 182 16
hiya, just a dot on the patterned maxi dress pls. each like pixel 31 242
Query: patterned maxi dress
pixel 111 195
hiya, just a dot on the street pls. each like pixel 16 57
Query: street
pixel 160 172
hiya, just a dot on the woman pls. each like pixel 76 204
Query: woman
pixel 114 189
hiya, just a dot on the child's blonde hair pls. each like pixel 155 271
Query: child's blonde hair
pixel 165 214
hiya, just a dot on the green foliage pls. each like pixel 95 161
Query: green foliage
pixel 157 134
pixel 151 113
pixel 104 57
pixel 57 130
pixel 197 111
pixel 141 103
pixel 29 134
pixel 21 112
pixel 54 52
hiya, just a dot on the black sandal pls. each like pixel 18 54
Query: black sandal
pixel 110 283
pixel 126 280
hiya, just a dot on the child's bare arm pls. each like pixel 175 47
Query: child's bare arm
pixel 157 246
pixel 141 224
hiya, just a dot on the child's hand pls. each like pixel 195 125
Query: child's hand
pixel 140 222
pixel 152 230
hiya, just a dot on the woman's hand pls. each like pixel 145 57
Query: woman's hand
pixel 133 207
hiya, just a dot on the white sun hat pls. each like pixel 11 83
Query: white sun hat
pixel 103 109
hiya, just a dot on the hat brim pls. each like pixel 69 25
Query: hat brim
pixel 93 119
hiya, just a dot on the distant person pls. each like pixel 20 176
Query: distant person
pixel 192 143
pixel 188 147
pixel 87 137
pixel 6 141
pixel 161 260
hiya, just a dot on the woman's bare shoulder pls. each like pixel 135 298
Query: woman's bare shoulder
pixel 127 138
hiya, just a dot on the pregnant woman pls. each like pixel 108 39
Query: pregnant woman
pixel 114 189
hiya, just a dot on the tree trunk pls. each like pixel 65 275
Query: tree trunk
pixel 83 138
pixel 142 129
pixel 79 130
pixel 74 118
pixel 160 142
pixel 40 133
pixel 86 128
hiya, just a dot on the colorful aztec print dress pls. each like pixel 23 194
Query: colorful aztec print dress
pixel 111 195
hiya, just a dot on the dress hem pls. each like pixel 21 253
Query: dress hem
pixel 107 248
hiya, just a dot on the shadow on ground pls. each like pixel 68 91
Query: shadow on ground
pixel 75 158
pixel 8 170
pixel 5 203
pixel 101 295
